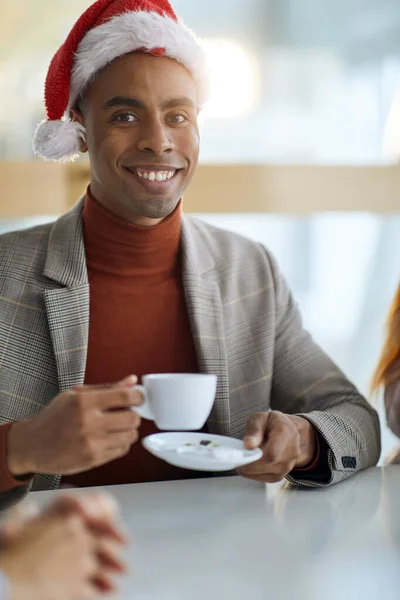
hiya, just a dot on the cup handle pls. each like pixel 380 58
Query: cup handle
pixel 144 410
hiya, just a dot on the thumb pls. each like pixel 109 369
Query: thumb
pixel 255 430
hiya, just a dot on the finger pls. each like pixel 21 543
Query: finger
pixel 104 584
pixel 116 399
pixel 121 421
pixel 122 440
pixel 281 445
pixel 98 504
pixel 110 529
pixel 102 517
pixel 263 468
pixel 99 511
pixel 278 454
pixel 116 449
pixel 108 553
pixel 255 430
pixel 105 504
pixel 254 468
pixel 127 382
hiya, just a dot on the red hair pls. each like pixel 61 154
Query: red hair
pixel 388 369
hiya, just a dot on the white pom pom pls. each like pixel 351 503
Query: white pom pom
pixel 58 140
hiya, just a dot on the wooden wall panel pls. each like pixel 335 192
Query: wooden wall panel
pixel 46 188
pixel 31 188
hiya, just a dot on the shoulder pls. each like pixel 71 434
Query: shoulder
pixel 29 237
pixel 226 245
pixel 239 266
pixel 24 250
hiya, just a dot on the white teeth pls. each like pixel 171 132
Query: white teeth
pixel 156 175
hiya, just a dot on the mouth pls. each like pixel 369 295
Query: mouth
pixel 154 177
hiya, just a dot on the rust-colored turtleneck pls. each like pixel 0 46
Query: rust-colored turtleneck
pixel 138 322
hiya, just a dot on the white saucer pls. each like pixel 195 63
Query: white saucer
pixel 200 451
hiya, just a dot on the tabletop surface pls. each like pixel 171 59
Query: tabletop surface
pixel 232 539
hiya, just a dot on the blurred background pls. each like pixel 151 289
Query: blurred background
pixel 300 147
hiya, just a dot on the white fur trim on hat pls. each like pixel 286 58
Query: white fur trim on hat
pixel 58 140
pixel 129 32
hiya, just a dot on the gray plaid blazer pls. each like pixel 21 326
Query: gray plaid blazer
pixel 246 327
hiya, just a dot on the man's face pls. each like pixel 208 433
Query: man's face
pixel 140 116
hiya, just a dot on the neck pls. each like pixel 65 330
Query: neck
pixel 121 212
pixel 118 247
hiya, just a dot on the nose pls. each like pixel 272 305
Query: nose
pixel 155 137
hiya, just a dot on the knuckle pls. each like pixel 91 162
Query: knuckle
pixel 271 456
pixel 137 398
pixel 74 525
pixel 77 401
pixel 282 420
pixel 136 420
pixel 126 449
pixel 88 565
pixel 128 442
pixel 126 396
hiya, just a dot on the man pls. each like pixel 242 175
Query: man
pixel 125 285
pixel 68 551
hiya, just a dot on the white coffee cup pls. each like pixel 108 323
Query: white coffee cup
pixel 177 401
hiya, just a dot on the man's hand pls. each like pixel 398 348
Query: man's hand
pixel 288 442
pixel 81 429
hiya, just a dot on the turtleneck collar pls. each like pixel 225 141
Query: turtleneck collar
pixel 118 248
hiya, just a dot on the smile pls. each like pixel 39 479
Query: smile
pixel 157 175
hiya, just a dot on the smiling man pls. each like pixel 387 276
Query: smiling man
pixel 141 116
pixel 125 285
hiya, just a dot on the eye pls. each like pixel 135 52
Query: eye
pixel 125 118
pixel 177 119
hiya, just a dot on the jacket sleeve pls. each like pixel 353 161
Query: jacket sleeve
pixel 306 382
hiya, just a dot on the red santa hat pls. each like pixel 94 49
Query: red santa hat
pixel 107 30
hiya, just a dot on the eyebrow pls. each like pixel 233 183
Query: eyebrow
pixel 119 101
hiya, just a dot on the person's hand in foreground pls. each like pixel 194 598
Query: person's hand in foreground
pixel 70 550
pixel 288 442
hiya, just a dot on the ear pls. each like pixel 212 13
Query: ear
pixel 77 116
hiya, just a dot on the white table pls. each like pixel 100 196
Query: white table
pixel 231 539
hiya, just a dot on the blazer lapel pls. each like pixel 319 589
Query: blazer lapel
pixel 205 311
pixel 67 306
